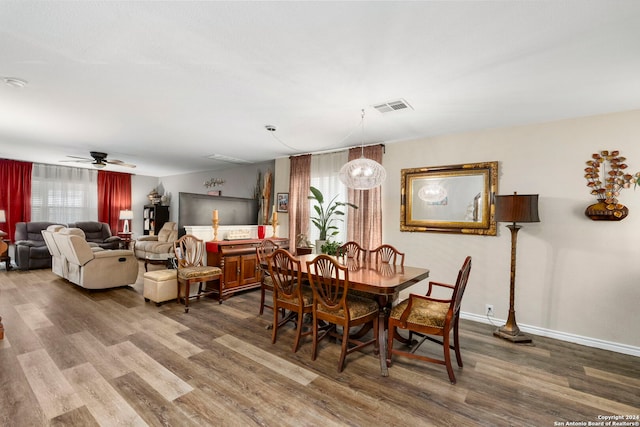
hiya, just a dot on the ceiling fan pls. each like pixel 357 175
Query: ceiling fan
pixel 99 160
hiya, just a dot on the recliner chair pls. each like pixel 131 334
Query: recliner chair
pixel 30 248
pixel 57 260
pixel 93 269
pixel 98 232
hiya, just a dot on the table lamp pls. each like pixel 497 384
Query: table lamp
pixel 126 215
pixel 3 245
pixel 3 219
pixel 515 208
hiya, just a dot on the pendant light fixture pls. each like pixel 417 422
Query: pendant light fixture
pixel 362 173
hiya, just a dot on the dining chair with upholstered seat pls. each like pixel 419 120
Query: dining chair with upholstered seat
pixel 427 317
pixel 190 254
pixel 333 304
pixel 352 250
pixel 387 254
pixel 289 293
pixel 266 248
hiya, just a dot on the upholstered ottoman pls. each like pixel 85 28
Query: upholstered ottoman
pixel 160 286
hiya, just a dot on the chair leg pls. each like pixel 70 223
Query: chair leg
pixel 262 296
pixel 447 358
pixel 345 344
pixel 314 348
pixel 187 291
pixel 456 342
pixel 299 323
pixel 390 336
pixel 274 333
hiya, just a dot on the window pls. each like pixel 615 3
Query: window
pixel 324 176
pixel 63 194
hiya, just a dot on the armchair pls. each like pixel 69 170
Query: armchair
pixel 160 244
pixel 30 248
pixel 428 316
pixel 99 233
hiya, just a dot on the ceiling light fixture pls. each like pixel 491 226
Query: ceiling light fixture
pixel 362 173
pixel 14 82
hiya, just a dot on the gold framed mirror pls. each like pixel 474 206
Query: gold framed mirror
pixel 454 198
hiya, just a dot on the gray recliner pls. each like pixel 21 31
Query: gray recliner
pixel 99 233
pixel 31 251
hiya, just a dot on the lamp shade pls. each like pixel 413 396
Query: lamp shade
pixel 126 214
pixel 362 174
pixel 3 216
pixel 517 208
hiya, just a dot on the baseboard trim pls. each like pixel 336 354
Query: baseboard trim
pixel 562 336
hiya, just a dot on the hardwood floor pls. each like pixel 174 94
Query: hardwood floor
pixel 72 357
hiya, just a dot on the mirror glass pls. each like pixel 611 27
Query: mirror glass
pixel 455 198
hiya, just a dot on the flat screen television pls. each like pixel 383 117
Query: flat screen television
pixel 197 209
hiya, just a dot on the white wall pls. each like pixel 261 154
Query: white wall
pixel 575 276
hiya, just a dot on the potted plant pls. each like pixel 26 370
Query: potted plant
pixel 326 216
pixel 330 248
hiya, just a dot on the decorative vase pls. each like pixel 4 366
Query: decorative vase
pixel 261 231
pixel 603 211
pixel 319 244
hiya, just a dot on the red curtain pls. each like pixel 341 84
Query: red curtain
pixel 15 193
pixel 114 195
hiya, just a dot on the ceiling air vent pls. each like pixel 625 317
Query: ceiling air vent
pixel 227 159
pixel 387 107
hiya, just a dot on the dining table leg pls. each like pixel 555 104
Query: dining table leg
pixel 383 325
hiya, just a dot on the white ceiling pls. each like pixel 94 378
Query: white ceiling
pixel 166 84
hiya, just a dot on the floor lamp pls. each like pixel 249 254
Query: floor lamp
pixel 515 208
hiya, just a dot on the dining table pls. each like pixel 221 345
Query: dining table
pixel 381 280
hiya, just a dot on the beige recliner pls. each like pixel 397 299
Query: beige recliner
pixel 160 244
pixel 58 263
pixel 92 269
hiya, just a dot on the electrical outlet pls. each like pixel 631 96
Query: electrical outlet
pixel 488 309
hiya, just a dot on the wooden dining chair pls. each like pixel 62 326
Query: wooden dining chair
pixel 190 253
pixel 333 304
pixel 289 293
pixel 387 254
pixel 266 248
pixel 352 250
pixel 427 317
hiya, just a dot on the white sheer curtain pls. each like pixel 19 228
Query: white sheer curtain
pixel 63 194
pixel 324 176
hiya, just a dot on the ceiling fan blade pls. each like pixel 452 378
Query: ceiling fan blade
pixel 120 163
pixel 87 159
pixel 77 161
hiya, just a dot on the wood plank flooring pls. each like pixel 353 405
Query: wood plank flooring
pixel 71 357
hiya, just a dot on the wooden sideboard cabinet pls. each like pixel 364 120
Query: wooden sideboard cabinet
pixel 239 264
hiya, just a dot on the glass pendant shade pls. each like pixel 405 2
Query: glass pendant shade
pixel 362 174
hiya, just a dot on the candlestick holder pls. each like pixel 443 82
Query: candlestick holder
pixel 274 224
pixel 215 229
